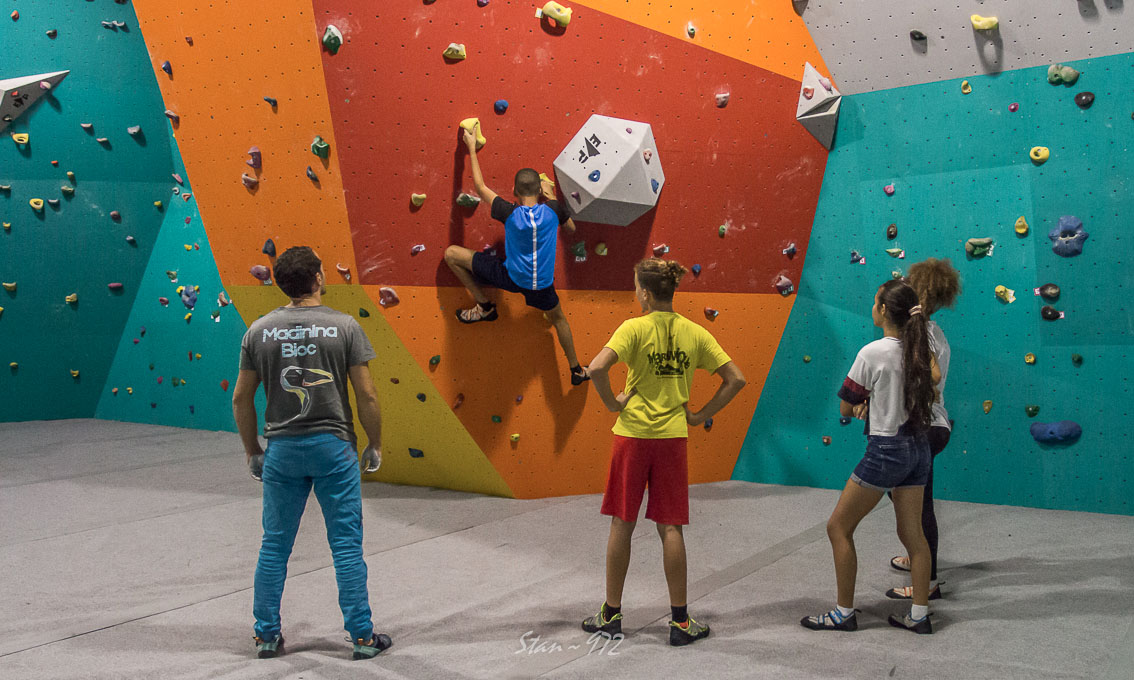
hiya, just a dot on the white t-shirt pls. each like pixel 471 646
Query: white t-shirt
pixel 877 375
pixel 940 348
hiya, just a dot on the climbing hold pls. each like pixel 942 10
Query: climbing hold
pixel 660 250
pixel 177 178
pixel 160 379
pixel 10 287
pixel 343 270
pixel 311 174
pixel 173 117
pixel 20 137
pixel 808 92
pixel 1084 99
pixel 114 286
pixel 979 247
pixel 87 126
pixel 647 155
pixel 167 67
pixel 1077 359
pixel 965 87
pixel 256 158
pixel 1050 313
pixel 1006 294
pixel 826 440
pixel 790 251
pixel 261 272
pixel 806 358
pixel 189 39
pixel 1049 291
pixel 163 301
pixel 482 3
pixel 654 185
pixel 421 396
pixel 1021 226
pixel 722 230
pixel 722 99
pixel 188 295
pixel 417 199
pixel 557 13
pixel 158 205
pixel 892 232
pixel 984 23
pixel 419 248
pixel 690 29
pixel 272 102
pixel 594 176
pixel 600 249
pixel 896 252
pixel 332 39
pixel 579 250
pixel 269 248
pixel 188 317
pixel 454 52
pixel 416 453
pixel 1032 410
pixel 1067 237
pixel 784 285
pixel 36 204
pixel 889 189
pixel 1030 359
pixel 320 148
pixel 459 400
pixel 222 299
pixel 467 200
pixel 387 297
pixel 987 405
pixel 711 314
pixel 224 385
pixel 102 140
pixel 500 106
pixel 1039 154
pixel 435 359
pixel 1014 107
pixel 696 270
pixel 1063 431
pixel 917 36
pixel 497 419
pixel 74 373
pixel 249 181
pixel 473 126
pixel 856 258
pixel 844 420
pixel 72 299
pixel 7 226
pixel 515 437
pixel 115 215
pixel 53 202
pixel 826 83
pixel 1059 74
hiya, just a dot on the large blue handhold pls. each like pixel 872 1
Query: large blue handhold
pixel 1062 431
pixel 1067 238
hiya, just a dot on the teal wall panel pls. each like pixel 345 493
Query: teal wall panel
pixel 961 170
pixel 75 248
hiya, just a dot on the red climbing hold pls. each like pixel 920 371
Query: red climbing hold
pixel 224 385
pixel 711 314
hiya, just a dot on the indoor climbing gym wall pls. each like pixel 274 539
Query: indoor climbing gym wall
pixel 939 139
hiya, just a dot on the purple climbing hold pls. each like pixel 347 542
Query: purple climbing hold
pixel 500 106
pixel 167 67
pixel 1068 236
pixel 163 301
pixel 482 3
pixel 855 258
pixel 261 272
pixel 417 249
pixel 271 101
pixel 789 251
pixel 784 285
pixel 575 195
pixel 173 117
pixel 249 181
pixel 1050 313
pixel 1063 431
pixel 1084 99
pixel 269 248
pixel 1014 107
pixel 696 270
pixel 256 158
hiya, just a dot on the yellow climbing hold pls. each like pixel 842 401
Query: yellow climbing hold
pixel 10 287
pixel 129 390
pixel 188 316
pixel 13 365
pixel 72 298
pixel 987 405
pixel 455 51
pixel 36 204
pixel 157 204
pixel 74 373
pixel 7 226
pixel 965 87
pixel 515 437
pixel 984 23
pixel 188 246
pixel 1 311
pixel 67 191
pixel 20 137
pixel 1006 294
pixel 1039 154
pixel 473 125
pixel 1029 358
pixel 417 199
pixel 557 13
pixel 1021 226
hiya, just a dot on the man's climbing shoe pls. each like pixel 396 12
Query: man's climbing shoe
pixel 579 375
pixel 600 624
pixel 687 632
pixel 477 313
pixel 922 627
pixel 832 620
pixel 378 643
pixel 906 593
pixel 269 649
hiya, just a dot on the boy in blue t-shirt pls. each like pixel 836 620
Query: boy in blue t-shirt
pixel 531 232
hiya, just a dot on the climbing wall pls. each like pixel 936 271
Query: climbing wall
pixel 75 247
pixel 960 168
pixel 868 46
pixel 396 102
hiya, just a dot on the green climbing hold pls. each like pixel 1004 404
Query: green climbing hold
pixel 467 200
pixel 497 419
pixel 579 249
pixel 979 247
pixel 1032 410
pixel 332 39
pixel 806 358
pixel 722 230
pixel 320 147
pixel 363 313
pixel 1077 359
pixel 435 359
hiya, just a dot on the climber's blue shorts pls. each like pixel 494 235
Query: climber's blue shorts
pixel 894 462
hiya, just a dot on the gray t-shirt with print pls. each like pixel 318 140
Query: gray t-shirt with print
pixel 303 356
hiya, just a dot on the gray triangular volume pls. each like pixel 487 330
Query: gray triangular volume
pixel 28 90
pixel 822 125
pixel 812 84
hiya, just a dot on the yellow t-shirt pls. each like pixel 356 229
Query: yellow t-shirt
pixel 661 351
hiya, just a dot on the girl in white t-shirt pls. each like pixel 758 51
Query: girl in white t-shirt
pixel 896 376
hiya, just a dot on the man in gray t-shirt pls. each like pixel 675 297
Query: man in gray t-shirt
pixel 304 353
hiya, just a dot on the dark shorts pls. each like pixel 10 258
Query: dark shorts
pixel 662 465
pixel 894 462
pixel 490 270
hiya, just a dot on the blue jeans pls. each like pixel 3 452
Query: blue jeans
pixel 292 465
pixel 893 462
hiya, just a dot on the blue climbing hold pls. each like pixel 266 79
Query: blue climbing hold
pixel 269 248
pixel 654 185
pixel 1067 238
pixel 421 396
pixel 1063 431
pixel 416 453
pixel 708 424
pixel 500 106
pixel 594 176
pixel 696 270
pixel 271 101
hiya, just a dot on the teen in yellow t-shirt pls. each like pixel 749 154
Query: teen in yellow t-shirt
pixel 661 350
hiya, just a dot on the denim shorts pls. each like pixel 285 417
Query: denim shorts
pixel 891 462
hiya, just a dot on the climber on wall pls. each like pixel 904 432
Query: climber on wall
pixel 530 242
pixel 304 353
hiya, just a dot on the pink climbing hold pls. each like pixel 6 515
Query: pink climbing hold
pixel 261 272
pixel 417 249
pixel 826 83
pixel 575 195
pixel 387 297
pixel 223 300
pixel 114 286
pixel 661 250
pixel 163 301
pixel 1014 107
pixel 808 92
pixel 889 189
pixel 784 285
pixel 177 178
pixel 115 215
pixel 343 270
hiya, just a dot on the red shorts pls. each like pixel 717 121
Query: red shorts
pixel 659 463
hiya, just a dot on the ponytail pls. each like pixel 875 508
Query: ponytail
pixel 660 277
pixel 903 310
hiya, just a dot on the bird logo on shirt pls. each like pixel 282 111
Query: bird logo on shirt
pixel 307 377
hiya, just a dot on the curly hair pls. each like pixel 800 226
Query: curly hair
pixel 937 284
pixel 660 277
pixel 295 271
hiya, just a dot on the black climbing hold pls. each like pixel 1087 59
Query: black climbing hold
pixel 1032 410
pixel 844 420
pixel 1077 359
pixel 1085 99
pixel 1049 291
pixel 1049 313
pixel 917 35
pixel 421 396
pixel 892 232
pixel 416 453
pixel 269 248
pixel 363 313
pixel 271 101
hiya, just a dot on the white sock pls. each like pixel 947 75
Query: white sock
pixel 845 611
pixel 919 612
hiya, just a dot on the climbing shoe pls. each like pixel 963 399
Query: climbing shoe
pixel 600 624
pixel 906 593
pixel 832 620
pixel 901 563
pixel 364 649
pixel 579 375
pixel 477 313
pixel 922 627
pixel 269 649
pixel 686 633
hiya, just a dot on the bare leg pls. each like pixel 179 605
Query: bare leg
pixel 855 503
pixel 559 320
pixel 908 509
pixel 460 261
pixel 673 557
pixel 617 559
